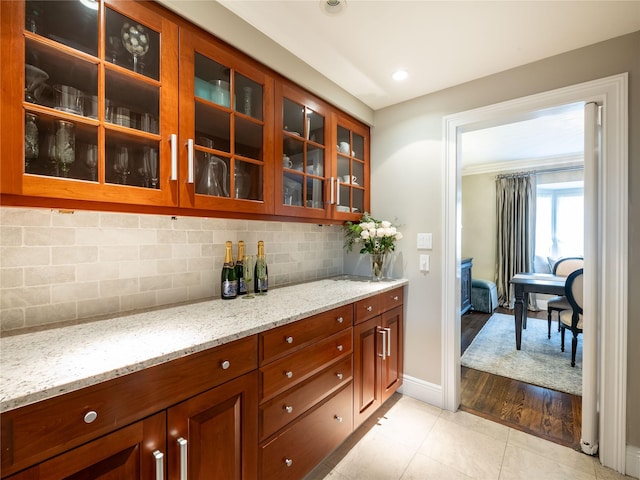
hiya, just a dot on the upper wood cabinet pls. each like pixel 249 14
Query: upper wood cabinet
pixel 122 102
pixel 89 101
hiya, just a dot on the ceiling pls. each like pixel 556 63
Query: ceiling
pixel 439 43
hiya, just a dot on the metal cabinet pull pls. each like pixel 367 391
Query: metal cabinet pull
pixel 339 375
pixel 396 298
pixel 388 330
pixel 338 191
pixel 288 408
pixel 90 417
pixel 159 456
pixel 289 339
pixel 383 332
pixel 338 418
pixel 225 364
pixel 288 462
pixel 288 374
pixel 190 174
pixel 368 308
pixel 173 139
pixel 340 348
pixel 183 458
pixel 340 319
pixel 331 202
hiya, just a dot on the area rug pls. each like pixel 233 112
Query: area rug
pixel 539 362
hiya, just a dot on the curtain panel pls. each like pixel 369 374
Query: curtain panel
pixel 516 232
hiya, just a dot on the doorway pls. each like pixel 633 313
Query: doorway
pixel 603 432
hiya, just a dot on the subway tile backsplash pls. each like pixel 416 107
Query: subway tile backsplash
pixel 63 266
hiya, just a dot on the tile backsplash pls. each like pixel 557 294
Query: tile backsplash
pixel 62 266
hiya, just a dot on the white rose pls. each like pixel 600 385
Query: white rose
pixel 385 224
pixel 381 232
pixel 365 234
pixel 398 236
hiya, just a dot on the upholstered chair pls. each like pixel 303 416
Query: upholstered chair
pixel 572 319
pixel 562 268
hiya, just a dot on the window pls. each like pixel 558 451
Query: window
pixel 560 220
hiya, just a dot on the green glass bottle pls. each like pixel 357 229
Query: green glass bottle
pixel 242 285
pixel 228 281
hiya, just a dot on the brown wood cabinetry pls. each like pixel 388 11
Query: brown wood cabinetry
pixel 128 106
pixel 243 410
pixel 377 353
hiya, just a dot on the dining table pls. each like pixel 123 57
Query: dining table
pixel 525 283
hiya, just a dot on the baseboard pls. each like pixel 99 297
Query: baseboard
pixel 633 461
pixel 420 390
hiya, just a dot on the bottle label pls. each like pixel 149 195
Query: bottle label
pixel 229 288
pixel 263 285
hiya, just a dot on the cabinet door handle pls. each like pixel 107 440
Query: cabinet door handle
pixel 332 191
pixel 190 174
pixel 383 332
pixel 340 319
pixel 368 308
pixel 288 462
pixel 340 348
pixel 225 365
pixel 288 374
pixel 289 339
pixel 338 418
pixel 337 190
pixel 388 330
pixel 183 458
pixel 174 156
pixel 159 456
pixel 288 408
pixel 339 375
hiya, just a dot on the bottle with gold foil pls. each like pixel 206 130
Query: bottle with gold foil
pixel 242 285
pixel 228 281
pixel 261 272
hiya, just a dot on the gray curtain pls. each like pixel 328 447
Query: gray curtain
pixel 516 222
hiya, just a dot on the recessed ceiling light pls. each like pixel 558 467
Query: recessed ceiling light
pixel 333 7
pixel 399 75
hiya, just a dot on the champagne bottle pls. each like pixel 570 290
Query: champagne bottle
pixel 242 285
pixel 228 281
pixel 260 285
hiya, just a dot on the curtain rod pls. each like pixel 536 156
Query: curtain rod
pixel 540 172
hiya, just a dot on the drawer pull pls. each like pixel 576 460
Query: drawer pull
pixel 225 365
pixel 288 462
pixel 289 374
pixel 89 417
pixel 338 418
pixel 159 456
pixel 339 375
pixel 368 308
pixel 340 319
pixel 340 348
pixel 183 458
pixel 289 339
pixel 396 298
pixel 288 408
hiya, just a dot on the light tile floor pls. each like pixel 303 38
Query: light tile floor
pixel 410 440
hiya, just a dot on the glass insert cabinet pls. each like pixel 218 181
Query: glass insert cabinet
pixel 122 102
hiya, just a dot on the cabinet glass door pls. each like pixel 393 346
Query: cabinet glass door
pixel 223 106
pixel 352 168
pixel 96 101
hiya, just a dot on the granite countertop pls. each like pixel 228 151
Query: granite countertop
pixel 41 365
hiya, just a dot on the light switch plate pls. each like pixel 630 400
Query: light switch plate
pixel 425 241
pixel 424 263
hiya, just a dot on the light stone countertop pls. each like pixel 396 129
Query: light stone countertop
pixel 41 365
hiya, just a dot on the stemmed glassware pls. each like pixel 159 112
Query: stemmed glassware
pixel 247 271
pixel 261 273
pixel 136 40
pixel 121 165
pixel 65 145
pixel 91 161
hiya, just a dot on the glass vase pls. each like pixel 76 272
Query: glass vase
pixel 377 266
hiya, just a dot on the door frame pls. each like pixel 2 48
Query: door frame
pixel 610 369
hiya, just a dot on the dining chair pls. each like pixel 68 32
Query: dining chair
pixel 572 319
pixel 562 268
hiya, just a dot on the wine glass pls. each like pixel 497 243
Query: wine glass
pixel 121 165
pixel 65 145
pixel 247 270
pixel 261 273
pixel 136 40
pixel 91 161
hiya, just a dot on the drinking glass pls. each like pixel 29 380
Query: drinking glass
pixel 136 41
pixel 65 146
pixel 91 161
pixel 247 270
pixel 121 165
pixel 261 273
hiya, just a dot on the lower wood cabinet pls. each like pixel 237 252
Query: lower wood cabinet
pixel 216 431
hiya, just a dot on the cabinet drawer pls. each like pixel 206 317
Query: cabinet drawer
pixel 282 374
pixel 289 338
pixel 293 454
pixel 285 408
pixel 392 299
pixel 368 308
pixel 36 432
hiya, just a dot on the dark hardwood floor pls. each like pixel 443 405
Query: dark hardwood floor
pixel 553 415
